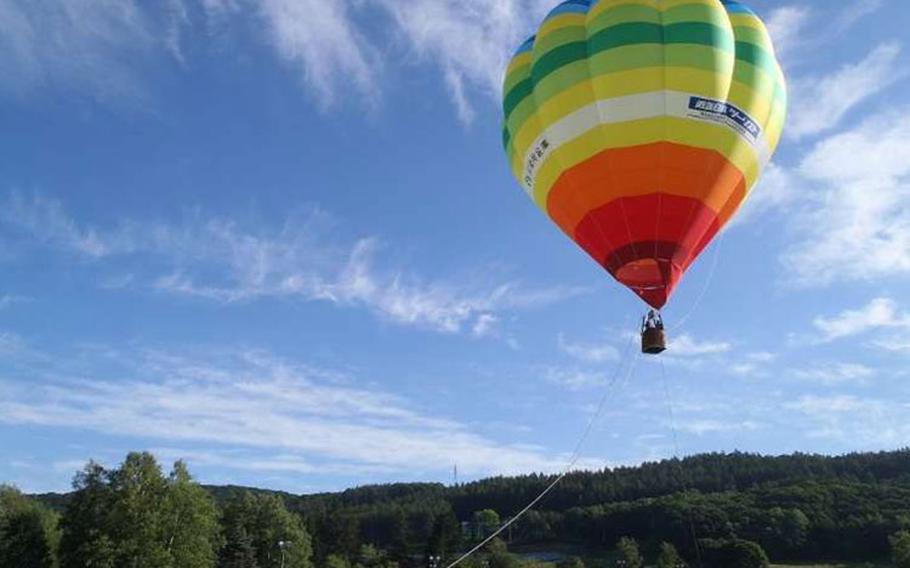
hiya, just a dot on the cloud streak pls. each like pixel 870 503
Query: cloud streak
pixel 217 260
pixel 291 416
pixel 855 222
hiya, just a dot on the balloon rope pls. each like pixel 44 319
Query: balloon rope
pixel 705 288
pixel 576 454
pixel 682 477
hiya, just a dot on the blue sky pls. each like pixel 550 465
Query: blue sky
pixel 279 239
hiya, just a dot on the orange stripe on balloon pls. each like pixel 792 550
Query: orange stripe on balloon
pixel 674 169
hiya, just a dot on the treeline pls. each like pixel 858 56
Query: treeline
pixel 797 507
pixel 135 516
pixel 714 507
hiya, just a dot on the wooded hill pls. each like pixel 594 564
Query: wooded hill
pixel 797 507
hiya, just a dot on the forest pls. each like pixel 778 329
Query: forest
pixel 709 511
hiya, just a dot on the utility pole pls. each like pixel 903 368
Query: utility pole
pixel 455 475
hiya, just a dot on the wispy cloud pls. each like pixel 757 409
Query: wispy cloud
pixel 588 352
pixel 835 373
pixel 7 300
pixel 296 417
pixel 855 223
pixel 103 48
pixel 322 40
pixel 787 26
pixel 854 421
pixel 819 103
pixel 709 426
pixel 470 40
pixel 217 260
pixel 795 34
pixel 687 346
pixel 575 378
pixel 92 47
pixel 880 313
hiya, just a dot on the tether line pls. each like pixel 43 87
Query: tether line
pixel 576 454
pixel 682 476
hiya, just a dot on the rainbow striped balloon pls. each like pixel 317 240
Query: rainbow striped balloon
pixel 641 126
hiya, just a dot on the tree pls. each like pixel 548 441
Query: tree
pixel 134 516
pixel 445 535
pixel 668 557
pixel 85 523
pixel 238 550
pixel 499 556
pixel 733 553
pixel 629 553
pixel 900 549
pixel 571 562
pixel 27 531
pixel 336 561
pixel 485 521
pixel 275 533
pixel 190 521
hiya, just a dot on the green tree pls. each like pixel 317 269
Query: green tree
pixel 85 524
pixel 238 550
pixel 668 557
pixel 485 521
pixel 900 549
pixel 136 520
pixel 27 531
pixel 733 553
pixel 498 555
pixel 336 561
pixel 629 553
pixel 191 531
pixel 276 534
pixel 445 535
pixel 571 562
pixel 133 516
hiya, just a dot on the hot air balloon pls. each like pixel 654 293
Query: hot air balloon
pixel 641 126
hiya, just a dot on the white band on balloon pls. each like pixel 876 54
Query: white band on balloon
pixel 640 107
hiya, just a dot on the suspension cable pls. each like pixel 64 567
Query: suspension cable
pixel 704 291
pixel 682 477
pixel 576 454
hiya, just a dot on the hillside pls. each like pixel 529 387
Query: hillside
pixel 798 507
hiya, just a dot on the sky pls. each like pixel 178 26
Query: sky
pixel 279 239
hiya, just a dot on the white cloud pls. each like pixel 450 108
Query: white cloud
pixel 791 27
pixel 877 314
pixel 787 28
pixel 687 346
pixel 710 426
pixel 93 47
pixel 7 300
pixel 855 224
pixel 776 190
pixel 835 373
pixel 818 103
pixel 854 422
pixel 322 39
pixel 754 364
pixel 575 379
pixel 588 352
pixel 46 221
pixel 893 344
pixel 295 417
pixel 100 47
pixel 470 40
pixel 216 260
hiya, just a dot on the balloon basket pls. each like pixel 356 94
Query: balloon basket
pixel 653 341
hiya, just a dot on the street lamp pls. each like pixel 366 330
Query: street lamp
pixel 283 544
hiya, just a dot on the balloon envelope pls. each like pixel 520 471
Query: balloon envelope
pixel 641 126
